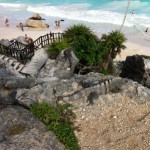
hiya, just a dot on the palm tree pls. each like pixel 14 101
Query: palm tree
pixel 114 43
pixel 125 15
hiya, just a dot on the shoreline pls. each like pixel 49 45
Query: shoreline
pixel 136 43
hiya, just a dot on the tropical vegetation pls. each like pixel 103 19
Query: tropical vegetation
pixel 94 54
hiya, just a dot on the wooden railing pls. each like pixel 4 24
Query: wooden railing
pixel 48 39
pixel 21 55
pixel 17 45
pixel 22 52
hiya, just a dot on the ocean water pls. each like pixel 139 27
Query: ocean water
pixel 100 15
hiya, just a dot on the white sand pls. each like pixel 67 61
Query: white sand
pixel 136 43
pixel 11 33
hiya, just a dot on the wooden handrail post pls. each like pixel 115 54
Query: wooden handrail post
pixel 48 38
pixel 41 41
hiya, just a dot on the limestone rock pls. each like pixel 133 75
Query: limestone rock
pixel 20 130
pixel 39 94
pixel 36 24
pixel 5 42
pixel 64 65
pixel 37 16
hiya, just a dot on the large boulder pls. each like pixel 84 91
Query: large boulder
pixel 36 23
pixel 20 130
pixel 37 16
pixel 64 65
pixel 9 82
pixel 137 68
pixel 133 68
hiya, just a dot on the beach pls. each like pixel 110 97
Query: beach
pixel 136 42
pixel 34 33
pixel 100 16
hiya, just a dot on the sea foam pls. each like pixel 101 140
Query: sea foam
pixel 95 16
pixel 111 13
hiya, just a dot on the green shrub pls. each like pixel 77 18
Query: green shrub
pixel 55 48
pixel 59 120
pixel 94 54
pixel 114 41
pixel 84 43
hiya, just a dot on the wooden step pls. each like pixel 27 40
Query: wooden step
pixel 6 58
pixel 11 61
pixel 20 67
pixel 16 65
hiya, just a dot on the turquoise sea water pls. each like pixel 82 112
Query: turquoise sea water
pixel 91 12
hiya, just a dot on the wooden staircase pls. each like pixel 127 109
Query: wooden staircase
pixel 25 61
pixel 12 62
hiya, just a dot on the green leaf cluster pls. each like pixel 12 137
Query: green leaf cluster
pixel 114 41
pixel 84 43
pixel 55 48
pixel 94 54
pixel 58 119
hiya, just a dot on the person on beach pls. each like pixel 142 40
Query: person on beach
pixel 58 24
pixel 146 30
pixel 7 23
pixel 26 37
pixel 133 11
pixel 31 45
pixel 21 26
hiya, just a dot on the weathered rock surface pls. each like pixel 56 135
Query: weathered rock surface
pixel 36 22
pixel 5 42
pixel 37 16
pixel 117 115
pixel 20 130
pixel 64 65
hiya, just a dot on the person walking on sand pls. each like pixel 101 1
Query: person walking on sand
pixel 146 30
pixel 7 23
pixel 58 25
pixel 21 26
pixel 133 11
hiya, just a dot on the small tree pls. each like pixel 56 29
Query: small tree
pixel 84 43
pixel 114 44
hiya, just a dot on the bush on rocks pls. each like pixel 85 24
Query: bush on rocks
pixel 59 120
